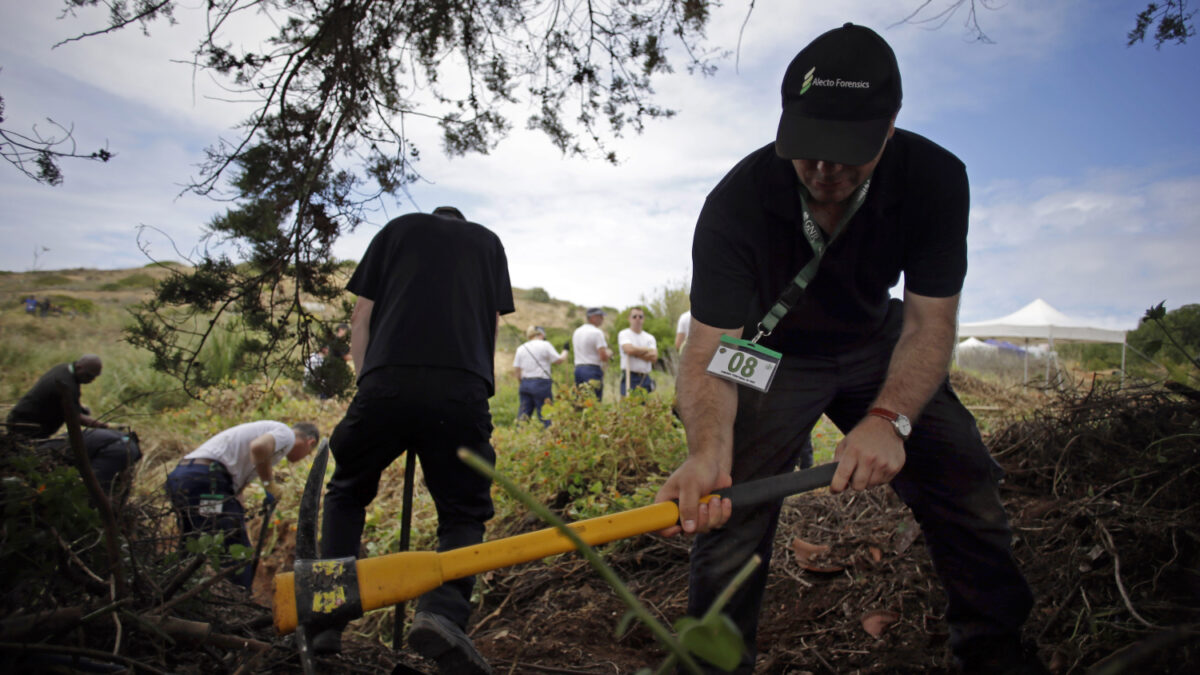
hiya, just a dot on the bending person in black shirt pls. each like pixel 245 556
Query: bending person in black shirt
pixel 796 250
pixel 39 414
pixel 427 396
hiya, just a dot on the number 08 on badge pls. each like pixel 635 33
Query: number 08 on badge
pixel 745 362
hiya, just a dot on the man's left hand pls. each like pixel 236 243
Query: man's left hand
pixel 871 454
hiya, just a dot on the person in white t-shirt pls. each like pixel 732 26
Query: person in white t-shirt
pixel 532 364
pixel 682 328
pixel 591 352
pixel 639 351
pixel 204 487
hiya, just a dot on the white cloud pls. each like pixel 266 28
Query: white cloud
pixel 1085 247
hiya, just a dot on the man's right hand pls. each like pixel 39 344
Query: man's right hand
pixel 274 491
pixel 694 479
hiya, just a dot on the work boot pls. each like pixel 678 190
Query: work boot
pixel 999 655
pixel 328 641
pixel 440 639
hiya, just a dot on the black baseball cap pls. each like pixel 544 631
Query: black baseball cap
pixel 839 96
pixel 449 212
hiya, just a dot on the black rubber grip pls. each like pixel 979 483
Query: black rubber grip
pixel 766 490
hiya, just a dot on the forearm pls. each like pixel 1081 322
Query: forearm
pixel 263 467
pixel 360 324
pixel 921 358
pixel 707 404
pixel 643 353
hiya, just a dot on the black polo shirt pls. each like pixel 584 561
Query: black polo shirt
pixel 437 284
pixel 42 404
pixel 749 245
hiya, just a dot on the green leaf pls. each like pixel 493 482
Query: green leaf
pixel 716 640
pixel 623 624
pixel 1157 312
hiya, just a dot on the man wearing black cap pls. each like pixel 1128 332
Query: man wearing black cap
pixel 422 395
pixel 794 254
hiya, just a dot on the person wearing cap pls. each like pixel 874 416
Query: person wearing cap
pixel 532 364
pixel 795 251
pixel 639 351
pixel 428 396
pixel 591 352
pixel 204 486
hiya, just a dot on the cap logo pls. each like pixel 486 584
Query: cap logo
pixel 808 80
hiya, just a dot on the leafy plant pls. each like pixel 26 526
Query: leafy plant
pixel 595 457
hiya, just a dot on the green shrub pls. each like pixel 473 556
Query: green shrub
pixel 595 457
pixel 138 280
pixel 537 294
pixel 48 279
pixel 72 305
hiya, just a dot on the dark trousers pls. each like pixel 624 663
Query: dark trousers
pixel 109 452
pixel 432 412
pixel 949 480
pixel 592 376
pixel 534 392
pixel 205 502
pixel 637 381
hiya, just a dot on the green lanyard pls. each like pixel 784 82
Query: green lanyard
pixel 812 232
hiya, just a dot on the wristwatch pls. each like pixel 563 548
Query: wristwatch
pixel 899 422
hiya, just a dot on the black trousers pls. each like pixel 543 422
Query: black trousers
pixel 109 452
pixel 949 480
pixel 432 412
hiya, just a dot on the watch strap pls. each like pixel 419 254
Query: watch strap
pixel 885 414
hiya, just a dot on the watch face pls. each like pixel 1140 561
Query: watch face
pixel 903 425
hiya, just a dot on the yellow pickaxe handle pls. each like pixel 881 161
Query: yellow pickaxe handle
pixel 388 579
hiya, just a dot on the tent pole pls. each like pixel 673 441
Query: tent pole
pixel 1122 386
pixel 1025 377
pixel 1051 356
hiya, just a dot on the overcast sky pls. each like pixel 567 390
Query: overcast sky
pixel 1082 153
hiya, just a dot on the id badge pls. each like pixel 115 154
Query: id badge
pixel 744 362
pixel 211 505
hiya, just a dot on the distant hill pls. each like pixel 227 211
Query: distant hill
pixel 79 291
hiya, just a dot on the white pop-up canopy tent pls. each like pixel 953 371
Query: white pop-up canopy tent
pixel 975 344
pixel 1039 321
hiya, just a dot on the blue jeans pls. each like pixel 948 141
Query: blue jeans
pixel 186 485
pixel 949 481
pixel 534 392
pixel 637 381
pixel 591 375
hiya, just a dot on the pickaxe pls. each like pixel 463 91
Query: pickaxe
pixel 334 591
pixel 306 542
